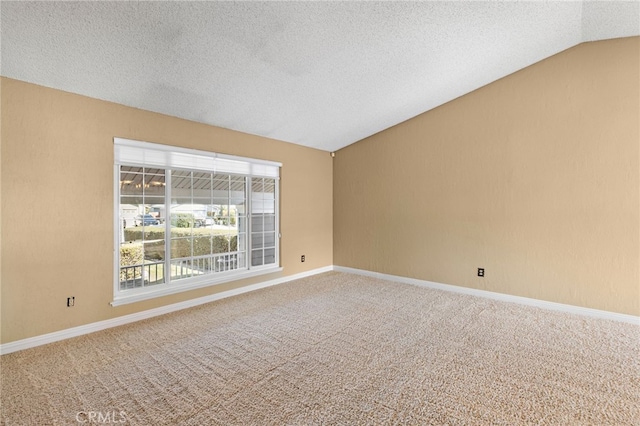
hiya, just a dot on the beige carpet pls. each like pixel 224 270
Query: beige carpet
pixel 336 349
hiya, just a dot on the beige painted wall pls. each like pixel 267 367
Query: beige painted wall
pixel 57 203
pixel 534 177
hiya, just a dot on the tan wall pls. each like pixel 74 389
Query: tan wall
pixel 57 203
pixel 534 177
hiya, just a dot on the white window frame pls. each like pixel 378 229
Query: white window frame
pixel 129 152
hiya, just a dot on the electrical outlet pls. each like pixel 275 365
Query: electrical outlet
pixel 302 258
pixel 71 301
pixel 481 272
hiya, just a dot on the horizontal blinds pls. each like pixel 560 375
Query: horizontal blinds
pixel 162 156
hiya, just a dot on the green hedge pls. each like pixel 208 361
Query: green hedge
pixel 157 233
pixel 150 233
pixel 131 254
pixel 205 241
pixel 202 245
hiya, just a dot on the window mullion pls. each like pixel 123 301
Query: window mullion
pixel 167 226
pixel 119 226
pixel 276 212
pixel 211 200
pixel 192 223
pixel 248 220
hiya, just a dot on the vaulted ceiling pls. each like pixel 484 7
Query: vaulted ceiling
pixel 319 74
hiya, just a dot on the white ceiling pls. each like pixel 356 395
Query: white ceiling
pixel 320 74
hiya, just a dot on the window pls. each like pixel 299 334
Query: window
pixel 187 219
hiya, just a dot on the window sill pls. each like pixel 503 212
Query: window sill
pixel 138 295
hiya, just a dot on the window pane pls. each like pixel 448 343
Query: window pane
pixel 154 273
pixel 256 257
pixel 269 186
pixel 269 222
pixel 220 187
pixel 204 176
pixel 129 210
pixel 220 244
pixel 131 181
pixel 237 183
pixel 203 210
pixel 269 256
pixel 142 195
pixel 154 250
pixel 257 186
pixel 181 268
pixel 180 248
pixel 269 239
pixel 131 259
pixel 180 188
pixel 202 245
pixel 256 240
pixel 267 206
pixel 257 223
pixel 154 184
pixel 181 225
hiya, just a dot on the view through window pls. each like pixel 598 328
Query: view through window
pixel 178 225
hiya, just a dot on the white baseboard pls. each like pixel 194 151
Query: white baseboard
pixel 595 313
pixel 44 339
pixel 126 319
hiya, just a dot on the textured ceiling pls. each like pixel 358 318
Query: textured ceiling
pixel 320 74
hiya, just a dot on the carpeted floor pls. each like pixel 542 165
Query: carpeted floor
pixel 336 349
